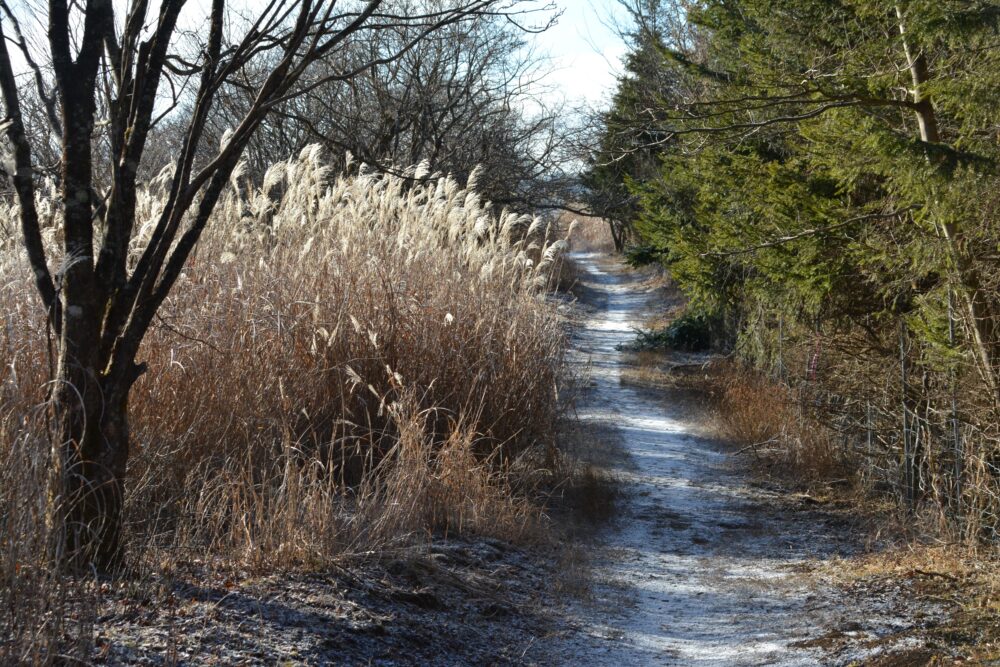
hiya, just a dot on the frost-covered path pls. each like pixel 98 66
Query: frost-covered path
pixel 702 568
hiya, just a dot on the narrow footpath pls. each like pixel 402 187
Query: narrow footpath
pixel 702 567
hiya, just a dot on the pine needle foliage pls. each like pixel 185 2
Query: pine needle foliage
pixel 826 182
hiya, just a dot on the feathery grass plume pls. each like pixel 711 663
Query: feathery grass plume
pixel 268 430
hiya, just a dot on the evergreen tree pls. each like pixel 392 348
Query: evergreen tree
pixel 827 170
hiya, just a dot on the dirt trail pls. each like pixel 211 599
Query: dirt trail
pixel 704 568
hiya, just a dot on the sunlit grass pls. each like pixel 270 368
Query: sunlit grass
pixel 347 364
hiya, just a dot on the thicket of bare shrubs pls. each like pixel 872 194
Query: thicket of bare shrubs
pixel 919 439
pixel 370 361
pixel 914 420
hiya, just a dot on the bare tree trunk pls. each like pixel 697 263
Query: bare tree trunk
pixel 619 231
pixel 91 444
pixel 90 456
pixel 90 395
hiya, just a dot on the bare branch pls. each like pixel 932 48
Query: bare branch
pixel 25 186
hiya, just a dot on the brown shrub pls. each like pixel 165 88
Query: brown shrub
pixel 589 234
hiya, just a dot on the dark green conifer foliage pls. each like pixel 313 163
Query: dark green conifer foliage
pixel 831 165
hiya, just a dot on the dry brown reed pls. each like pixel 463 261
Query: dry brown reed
pixel 347 365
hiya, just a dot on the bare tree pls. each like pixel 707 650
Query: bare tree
pixel 465 97
pixel 114 78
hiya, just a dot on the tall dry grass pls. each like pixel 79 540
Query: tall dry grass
pixel 347 364
pixel 766 420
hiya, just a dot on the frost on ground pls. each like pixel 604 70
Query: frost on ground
pixel 705 568
pixel 456 602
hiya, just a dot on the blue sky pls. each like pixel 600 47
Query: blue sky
pixel 585 49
